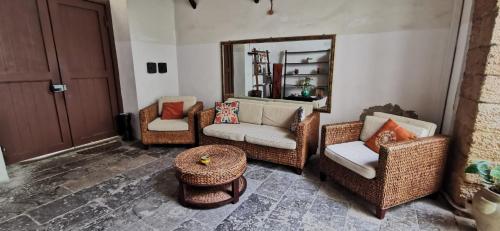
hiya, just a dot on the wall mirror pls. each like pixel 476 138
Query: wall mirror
pixel 287 68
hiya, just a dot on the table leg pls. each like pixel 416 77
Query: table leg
pixel 182 191
pixel 236 190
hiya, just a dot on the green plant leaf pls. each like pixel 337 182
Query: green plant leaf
pixel 483 167
pixel 472 169
pixel 495 173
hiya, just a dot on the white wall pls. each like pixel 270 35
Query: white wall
pixel 388 51
pixel 119 17
pixel 152 33
pixel 144 31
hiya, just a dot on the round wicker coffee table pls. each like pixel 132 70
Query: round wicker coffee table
pixel 219 182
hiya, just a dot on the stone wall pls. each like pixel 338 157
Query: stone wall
pixel 477 125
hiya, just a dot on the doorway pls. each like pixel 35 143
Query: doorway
pixel 57 81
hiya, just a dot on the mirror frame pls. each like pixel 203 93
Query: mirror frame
pixel 228 71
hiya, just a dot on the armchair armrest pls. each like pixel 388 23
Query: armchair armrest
pixel 306 137
pixel 414 166
pixel 340 133
pixel 146 115
pixel 191 114
pixel 206 117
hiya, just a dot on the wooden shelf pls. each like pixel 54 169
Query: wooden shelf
pixel 321 62
pixel 306 52
pixel 300 86
pixel 302 75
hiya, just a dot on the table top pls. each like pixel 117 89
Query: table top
pixel 227 163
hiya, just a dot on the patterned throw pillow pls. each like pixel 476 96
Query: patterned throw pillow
pixel 227 113
pixel 297 118
pixel 390 132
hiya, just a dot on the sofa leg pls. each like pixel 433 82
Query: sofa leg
pixel 380 213
pixel 322 176
pixel 434 196
pixel 298 171
pixel 146 146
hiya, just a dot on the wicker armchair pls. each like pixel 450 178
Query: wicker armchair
pixel 306 137
pixel 406 170
pixel 148 137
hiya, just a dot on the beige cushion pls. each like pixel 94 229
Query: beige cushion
pixel 169 125
pixel 234 132
pixel 281 114
pixel 270 136
pixel 431 127
pixel 250 111
pixel 189 101
pixel 373 123
pixel 354 156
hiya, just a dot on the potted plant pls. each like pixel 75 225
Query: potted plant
pixel 306 87
pixel 486 202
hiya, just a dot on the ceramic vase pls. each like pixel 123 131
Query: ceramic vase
pixel 486 210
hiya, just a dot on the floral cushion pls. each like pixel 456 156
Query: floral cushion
pixel 227 113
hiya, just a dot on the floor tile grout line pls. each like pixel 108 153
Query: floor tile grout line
pixel 278 201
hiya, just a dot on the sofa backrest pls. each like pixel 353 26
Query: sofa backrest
pixel 419 123
pixel 189 101
pixel 280 114
pixel 250 110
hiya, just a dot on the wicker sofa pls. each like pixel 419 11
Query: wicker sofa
pixel 399 173
pixel 263 132
pixel 157 131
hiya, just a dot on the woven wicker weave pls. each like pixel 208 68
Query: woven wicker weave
pixel 227 163
pixel 406 170
pixel 203 197
pixel 306 137
pixel 150 113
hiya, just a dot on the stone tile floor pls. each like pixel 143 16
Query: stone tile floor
pixel 127 188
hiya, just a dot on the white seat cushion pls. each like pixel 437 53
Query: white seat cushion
pixel 431 127
pixel 373 123
pixel 234 132
pixel 354 156
pixel 189 101
pixel 270 136
pixel 169 125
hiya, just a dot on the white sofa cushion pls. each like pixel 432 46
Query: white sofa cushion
pixel 354 156
pixel 271 136
pixel 281 114
pixel 431 127
pixel 169 125
pixel 373 123
pixel 250 110
pixel 234 132
pixel 189 101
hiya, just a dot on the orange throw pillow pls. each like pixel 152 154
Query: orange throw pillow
pixel 172 110
pixel 390 132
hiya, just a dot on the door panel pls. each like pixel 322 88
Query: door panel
pixel 84 55
pixel 33 120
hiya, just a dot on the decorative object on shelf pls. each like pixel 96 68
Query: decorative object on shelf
pixel 296 71
pixel 261 58
pixel 276 80
pixel 318 70
pixel 205 159
pixel 320 92
pixel 307 60
pixel 306 87
pixel 486 203
pixel 270 11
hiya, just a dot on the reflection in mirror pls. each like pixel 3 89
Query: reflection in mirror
pixel 298 69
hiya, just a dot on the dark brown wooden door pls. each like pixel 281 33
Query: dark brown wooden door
pixel 33 120
pixel 85 62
